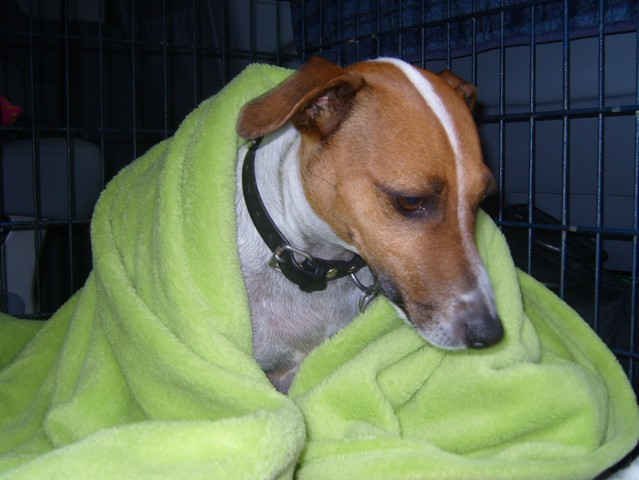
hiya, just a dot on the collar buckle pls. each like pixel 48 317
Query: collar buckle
pixel 279 252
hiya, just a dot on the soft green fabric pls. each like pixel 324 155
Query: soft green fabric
pixel 147 371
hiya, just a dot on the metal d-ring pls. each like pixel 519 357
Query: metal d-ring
pixel 276 259
pixel 369 291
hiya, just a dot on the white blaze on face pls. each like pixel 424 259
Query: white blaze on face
pixel 435 103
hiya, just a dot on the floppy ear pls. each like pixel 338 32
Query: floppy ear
pixel 467 91
pixel 316 99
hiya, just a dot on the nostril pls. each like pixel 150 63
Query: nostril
pixel 484 333
pixel 478 344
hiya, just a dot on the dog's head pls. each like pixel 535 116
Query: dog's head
pixel 391 160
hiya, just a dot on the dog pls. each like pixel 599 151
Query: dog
pixel 361 180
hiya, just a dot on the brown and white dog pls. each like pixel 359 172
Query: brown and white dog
pixel 379 159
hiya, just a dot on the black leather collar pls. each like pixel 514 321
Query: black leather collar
pixel 310 274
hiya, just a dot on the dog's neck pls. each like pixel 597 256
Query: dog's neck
pixel 278 178
pixel 287 322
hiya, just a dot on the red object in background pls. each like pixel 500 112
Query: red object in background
pixel 9 113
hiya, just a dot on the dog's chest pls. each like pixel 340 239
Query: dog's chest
pixel 288 323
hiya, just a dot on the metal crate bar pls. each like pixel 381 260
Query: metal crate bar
pixel 195 52
pixel 600 169
pixel 165 72
pixel 226 69
pixel 252 31
pixel 449 54
pixel 587 112
pixel 474 43
pixel 635 240
pixel 501 179
pixel 378 29
pixel 40 224
pixel 422 36
pixel 400 31
pixel 304 53
pixel 532 65
pixel 101 100
pixel 339 29
pixel 619 233
pixel 632 355
pixel 35 160
pixel 278 35
pixel 565 146
pixel 70 160
pixel 134 109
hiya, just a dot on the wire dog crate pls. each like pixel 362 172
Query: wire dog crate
pixel 88 86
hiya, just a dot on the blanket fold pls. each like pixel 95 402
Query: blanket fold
pixel 147 372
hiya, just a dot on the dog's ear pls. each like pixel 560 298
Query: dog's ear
pixel 467 91
pixel 316 99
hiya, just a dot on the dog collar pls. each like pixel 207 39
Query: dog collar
pixel 310 273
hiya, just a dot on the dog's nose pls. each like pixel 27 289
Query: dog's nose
pixel 478 324
pixel 482 328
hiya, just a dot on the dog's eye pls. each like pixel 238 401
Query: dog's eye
pixel 411 205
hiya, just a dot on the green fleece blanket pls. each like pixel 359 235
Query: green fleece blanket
pixel 147 371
